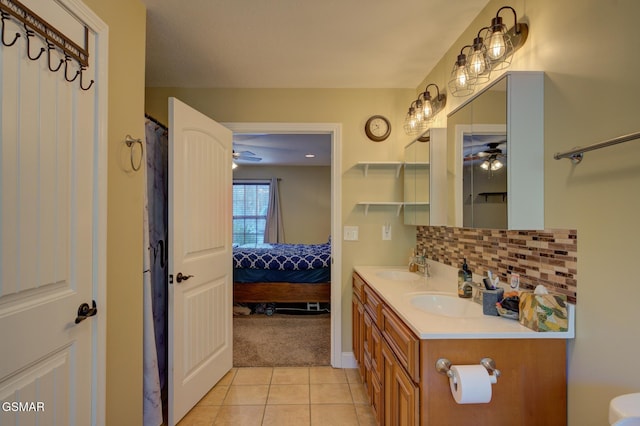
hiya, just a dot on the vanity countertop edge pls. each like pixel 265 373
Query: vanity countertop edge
pixel 397 295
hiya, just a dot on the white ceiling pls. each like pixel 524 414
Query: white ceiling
pixel 300 43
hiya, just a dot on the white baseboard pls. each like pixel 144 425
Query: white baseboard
pixel 349 360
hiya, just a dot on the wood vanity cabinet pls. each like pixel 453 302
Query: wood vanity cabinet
pixel 404 388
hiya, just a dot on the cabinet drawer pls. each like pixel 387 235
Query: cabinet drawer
pixel 358 286
pixel 405 345
pixel 373 305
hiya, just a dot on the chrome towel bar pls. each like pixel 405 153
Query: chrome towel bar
pixel 577 154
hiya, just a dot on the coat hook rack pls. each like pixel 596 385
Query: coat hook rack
pixel 55 40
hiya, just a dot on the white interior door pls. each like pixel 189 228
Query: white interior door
pixel 200 266
pixel 50 224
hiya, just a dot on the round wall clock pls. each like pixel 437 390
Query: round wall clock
pixel 377 128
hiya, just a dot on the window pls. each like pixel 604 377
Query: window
pixel 250 205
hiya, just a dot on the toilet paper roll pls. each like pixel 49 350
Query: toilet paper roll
pixel 471 384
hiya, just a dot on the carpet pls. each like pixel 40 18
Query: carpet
pixel 281 340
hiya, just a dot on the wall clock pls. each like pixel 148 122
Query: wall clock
pixel 377 128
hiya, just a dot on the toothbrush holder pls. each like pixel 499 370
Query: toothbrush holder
pixel 489 300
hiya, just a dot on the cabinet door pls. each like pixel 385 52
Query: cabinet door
pixel 400 394
pixel 357 318
pixel 404 396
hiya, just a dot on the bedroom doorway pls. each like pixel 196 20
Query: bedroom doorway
pixel 333 130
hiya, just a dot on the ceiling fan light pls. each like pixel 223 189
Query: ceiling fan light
pixel 485 165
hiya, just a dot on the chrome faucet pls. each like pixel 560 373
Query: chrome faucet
pixel 423 267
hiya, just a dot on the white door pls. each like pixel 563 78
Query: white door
pixel 200 265
pixel 51 219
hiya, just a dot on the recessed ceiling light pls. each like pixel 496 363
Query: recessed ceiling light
pixel 310 155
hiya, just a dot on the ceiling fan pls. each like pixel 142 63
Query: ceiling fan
pixel 245 156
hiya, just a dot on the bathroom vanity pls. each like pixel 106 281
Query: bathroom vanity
pixel 397 343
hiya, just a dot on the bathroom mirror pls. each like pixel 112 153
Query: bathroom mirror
pixel 497 175
pixel 425 197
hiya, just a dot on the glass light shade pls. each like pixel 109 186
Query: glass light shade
pixel 496 165
pixel 485 165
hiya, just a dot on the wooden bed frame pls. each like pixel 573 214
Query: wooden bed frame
pixel 283 292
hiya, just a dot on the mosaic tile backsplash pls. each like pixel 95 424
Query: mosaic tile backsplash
pixel 547 257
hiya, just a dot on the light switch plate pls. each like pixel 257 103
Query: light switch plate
pixel 386 232
pixel 350 233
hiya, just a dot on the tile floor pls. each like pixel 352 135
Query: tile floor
pixel 316 396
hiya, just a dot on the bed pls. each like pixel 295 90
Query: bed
pixel 282 273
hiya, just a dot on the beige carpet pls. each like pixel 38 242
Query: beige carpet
pixel 281 340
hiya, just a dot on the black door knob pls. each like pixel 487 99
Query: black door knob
pixel 180 277
pixel 84 311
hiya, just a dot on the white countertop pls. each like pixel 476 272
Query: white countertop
pixel 397 294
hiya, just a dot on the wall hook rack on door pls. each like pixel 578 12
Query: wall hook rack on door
pixel 34 26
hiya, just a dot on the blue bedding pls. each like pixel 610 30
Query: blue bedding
pixel 283 257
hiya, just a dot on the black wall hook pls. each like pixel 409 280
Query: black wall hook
pixel 30 34
pixel 50 47
pixel 6 16
pixel 82 70
pixel 67 58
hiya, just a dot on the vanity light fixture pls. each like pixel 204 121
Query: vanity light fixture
pixel 423 110
pixel 492 50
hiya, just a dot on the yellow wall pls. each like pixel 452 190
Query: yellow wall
pixel 126 21
pixel 586 48
pixel 351 108
pixel 305 199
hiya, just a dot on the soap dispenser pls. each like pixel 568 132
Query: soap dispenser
pixel 465 290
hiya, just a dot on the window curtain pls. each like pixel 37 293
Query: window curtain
pixel 274 230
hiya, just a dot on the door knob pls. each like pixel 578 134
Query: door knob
pixel 84 311
pixel 180 277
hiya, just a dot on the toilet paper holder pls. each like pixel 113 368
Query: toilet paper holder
pixel 443 366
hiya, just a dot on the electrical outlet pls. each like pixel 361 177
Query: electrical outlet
pixel 386 232
pixel 515 281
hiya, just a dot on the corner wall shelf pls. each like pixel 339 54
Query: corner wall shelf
pixel 397 204
pixel 367 164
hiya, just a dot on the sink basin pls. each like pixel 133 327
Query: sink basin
pixel 398 275
pixel 446 304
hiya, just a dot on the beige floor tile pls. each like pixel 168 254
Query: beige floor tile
pixel 290 376
pixel 245 415
pixel 353 375
pixel 215 396
pixel 330 393
pixel 333 414
pixel 253 376
pixel 200 416
pixel 327 375
pixel 288 394
pixel 247 395
pixel 287 415
pixel 366 415
pixel 227 378
pixel 358 393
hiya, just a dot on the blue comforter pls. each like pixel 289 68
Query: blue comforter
pixel 283 257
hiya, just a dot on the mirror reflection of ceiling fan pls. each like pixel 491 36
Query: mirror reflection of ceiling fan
pixel 491 156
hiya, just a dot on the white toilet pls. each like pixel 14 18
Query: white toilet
pixel 624 410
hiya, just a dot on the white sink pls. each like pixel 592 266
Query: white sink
pixel 446 304
pixel 398 275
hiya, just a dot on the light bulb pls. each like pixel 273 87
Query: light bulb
pixel 427 110
pixel 477 64
pixel 461 77
pixel 497 46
